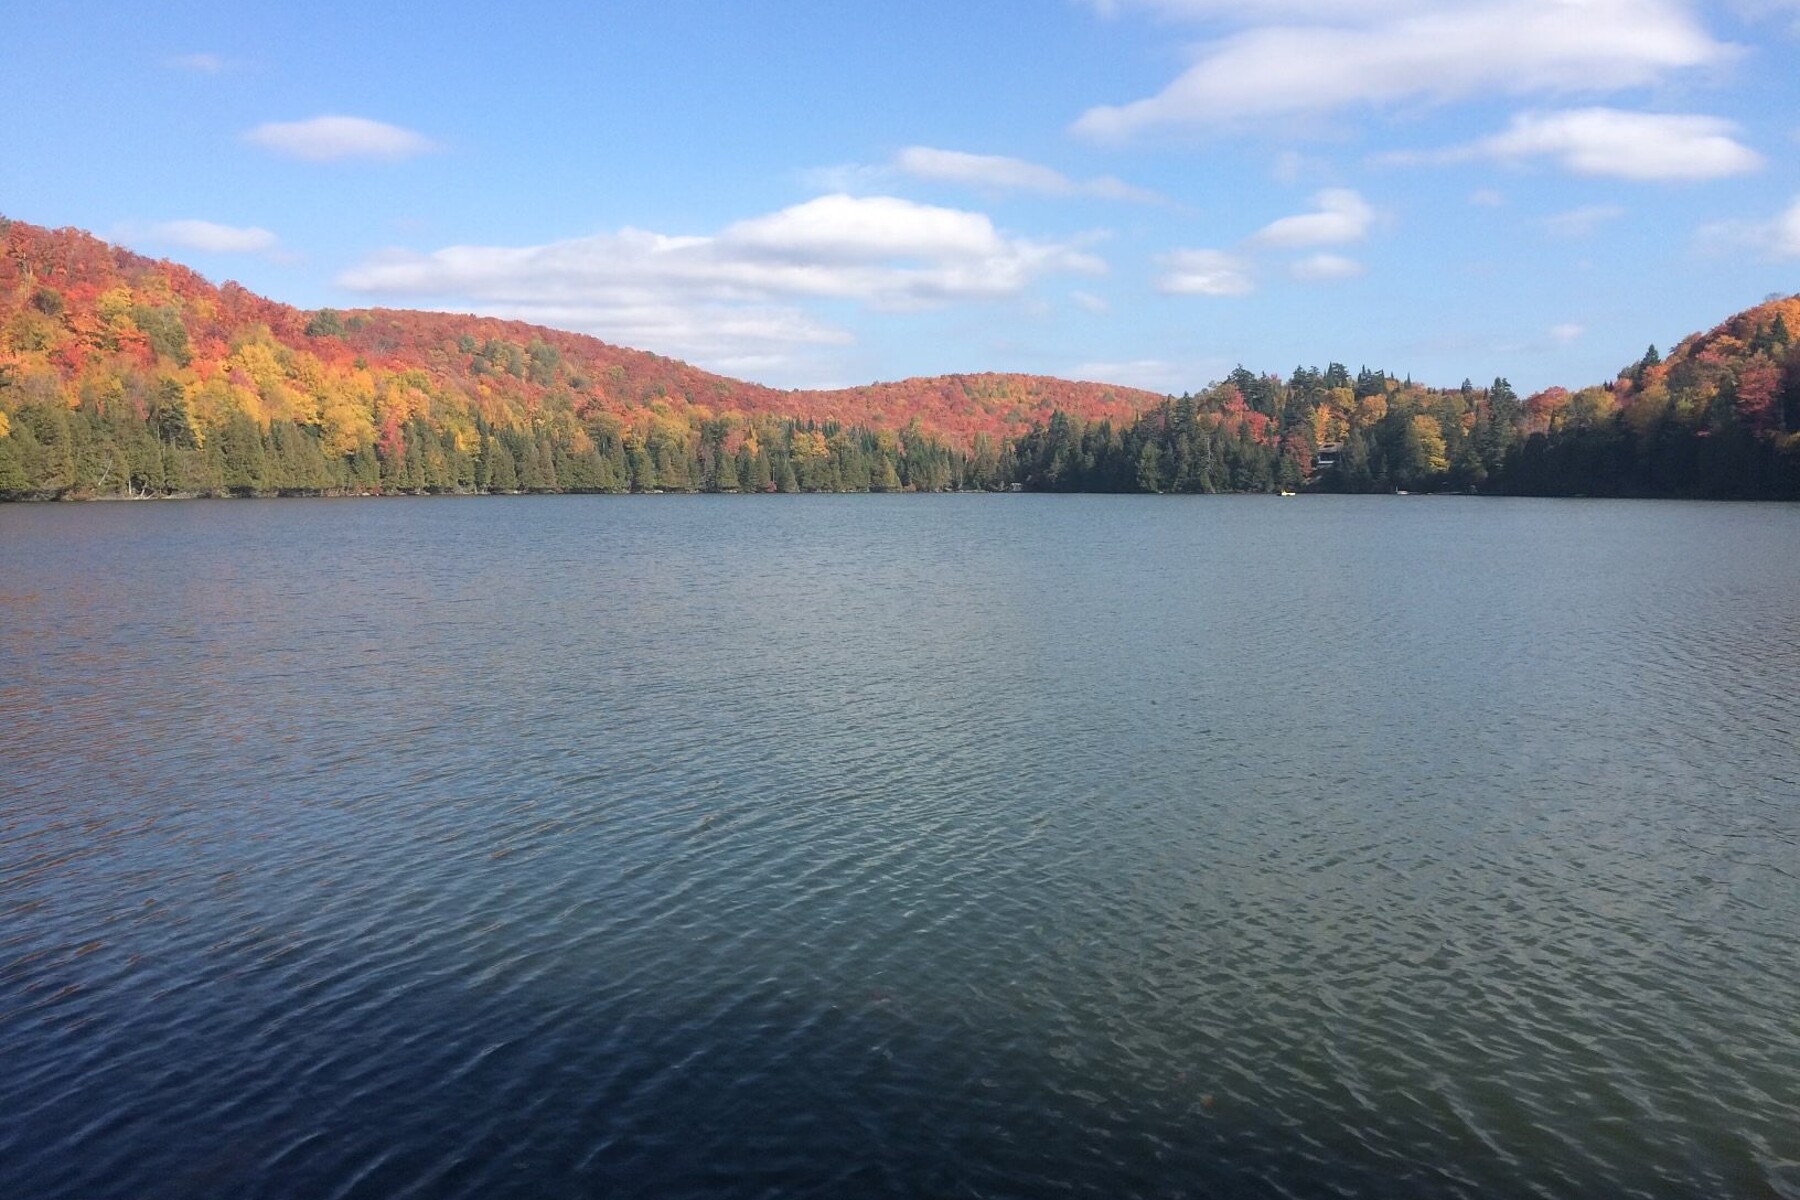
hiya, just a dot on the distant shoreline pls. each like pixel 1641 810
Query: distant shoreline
pixel 473 495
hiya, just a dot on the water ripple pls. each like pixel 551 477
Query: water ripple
pixel 1073 846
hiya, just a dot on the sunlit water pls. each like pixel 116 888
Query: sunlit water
pixel 848 846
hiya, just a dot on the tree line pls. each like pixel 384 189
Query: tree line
pixel 1323 430
pixel 1719 420
pixel 101 450
pixel 120 376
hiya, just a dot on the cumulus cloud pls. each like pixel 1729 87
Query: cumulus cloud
pixel 1205 273
pixel 1610 142
pixel 208 237
pixel 733 293
pixel 1325 268
pixel 1342 216
pixel 329 138
pixel 1337 56
pixel 999 173
pixel 742 339
pixel 840 229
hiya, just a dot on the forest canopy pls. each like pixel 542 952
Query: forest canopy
pixel 126 376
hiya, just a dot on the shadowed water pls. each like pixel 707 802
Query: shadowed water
pixel 849 846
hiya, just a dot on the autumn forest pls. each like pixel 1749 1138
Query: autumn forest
pixel 123 376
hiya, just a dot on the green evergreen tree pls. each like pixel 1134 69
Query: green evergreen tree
pixel 244 462
pixel 503 475
pixel 1149 468
pixel 761 479
pixel 643 468
pixel 537 468
pixel 14 482
pixel 725 475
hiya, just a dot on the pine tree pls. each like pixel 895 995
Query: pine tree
pixel 1149 469
pixel 246 468
pixel 503 475
pixel 725 476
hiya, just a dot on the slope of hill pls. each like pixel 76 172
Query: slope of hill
pixel 85 326
pixel 123 375
pixel 1716 419
pixel 1749 363
pixel 1719 417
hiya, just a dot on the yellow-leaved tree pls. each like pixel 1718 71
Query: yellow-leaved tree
pixel 1432 457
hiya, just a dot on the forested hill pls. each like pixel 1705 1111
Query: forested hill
pixel 1717 418
pixel 123 375
pixel 120 373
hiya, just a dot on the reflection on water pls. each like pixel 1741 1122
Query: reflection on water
pixel 914 845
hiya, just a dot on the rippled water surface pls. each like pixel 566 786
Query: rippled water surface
pixel 848 846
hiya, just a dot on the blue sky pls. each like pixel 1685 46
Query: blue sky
pixel 818 194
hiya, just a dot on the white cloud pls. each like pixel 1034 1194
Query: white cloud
pixel 849 229
pixel 1381 54
pixel 1000 173
pixel 1610 142
pixel 1487 198
pixel 1580 222
pixel 732 294
pixel 203 64
pixel 208 237
pixel 1778 237
pixel 981 170
pixel 1325 268
pixel 742 339
pixel 1566 333
pixel 1205 273
pixel 1342 216
pixel 326 139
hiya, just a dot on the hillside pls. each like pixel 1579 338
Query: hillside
pixel 89 326
pixel 123 375
pixel 1717 418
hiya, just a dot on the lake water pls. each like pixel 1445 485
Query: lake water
pixel 850 846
